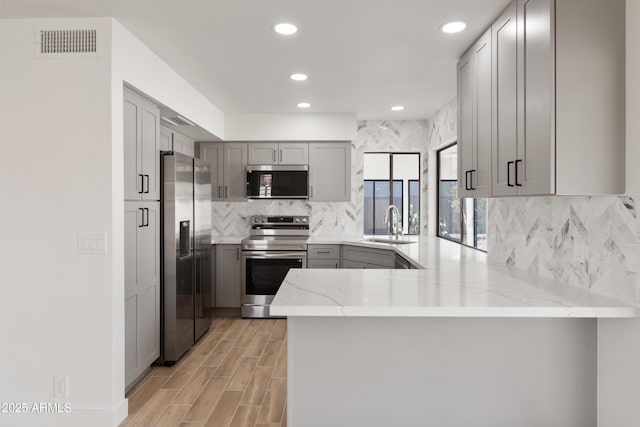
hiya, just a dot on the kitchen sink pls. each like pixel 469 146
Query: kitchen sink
pixel 389 241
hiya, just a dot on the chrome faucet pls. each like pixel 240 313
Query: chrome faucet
pixel 393 225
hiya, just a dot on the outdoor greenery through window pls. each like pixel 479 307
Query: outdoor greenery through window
pixel 461 220
pixel 391 179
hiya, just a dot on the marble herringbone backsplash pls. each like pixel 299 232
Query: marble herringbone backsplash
pixel 587 241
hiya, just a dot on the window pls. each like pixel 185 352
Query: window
pixel 460 220
pixel 391 179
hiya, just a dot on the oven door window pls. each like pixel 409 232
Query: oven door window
pixel 264 276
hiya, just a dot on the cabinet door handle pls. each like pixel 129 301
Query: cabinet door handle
pixel 226 191
pixel 336 265
pixel 466 181
pixel 141 218
pixel 147 190
pixel 324 252
pixel 280 156
pixel 471 179
pixel 141 183
pixel 517 183
pixel 146 224
pixel 509 184
pixel 274 155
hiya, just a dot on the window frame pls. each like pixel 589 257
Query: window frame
pixel 462 208
pixel 391 180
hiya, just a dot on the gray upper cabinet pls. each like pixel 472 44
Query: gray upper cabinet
pixel 293 153
pixel 235 171
pixel 474 119
pixel 329 171
pixel 228 163
pixel 558 112
pixel 263 153
pixel 534 164
pixel 505 100
pixel 212 153
pixel 273 153
pixel 166 139
pixel 141 140
pixel 183 144
pixel 175 141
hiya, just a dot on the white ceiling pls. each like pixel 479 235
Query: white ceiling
pixel 362 56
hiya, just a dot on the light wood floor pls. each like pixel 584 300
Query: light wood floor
pixel 234 376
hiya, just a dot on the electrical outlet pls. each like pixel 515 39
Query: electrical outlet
pixel 61 387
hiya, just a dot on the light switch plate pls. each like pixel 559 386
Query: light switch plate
pixel 92 244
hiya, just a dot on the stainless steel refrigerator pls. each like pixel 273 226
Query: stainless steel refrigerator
pixel 186 253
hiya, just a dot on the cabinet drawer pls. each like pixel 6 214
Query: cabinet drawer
pixel 380 257
pixel 323 251
pixel 323 263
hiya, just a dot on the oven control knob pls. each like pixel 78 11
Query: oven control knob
pixel 263 219
pixel 297 219
pixel 304 220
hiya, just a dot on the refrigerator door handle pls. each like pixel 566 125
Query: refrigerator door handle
pixel 146 224
pixel 141 183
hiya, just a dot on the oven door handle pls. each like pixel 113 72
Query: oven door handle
pixel 271 255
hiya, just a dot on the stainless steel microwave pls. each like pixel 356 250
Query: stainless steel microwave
pixel 278 182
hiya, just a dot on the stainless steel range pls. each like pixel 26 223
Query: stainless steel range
pixel 276 244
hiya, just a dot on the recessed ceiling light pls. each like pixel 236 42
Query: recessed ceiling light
pixel 453 27
pixel 397 108
pixel 299 77
pixel 303 105
pixel 285 29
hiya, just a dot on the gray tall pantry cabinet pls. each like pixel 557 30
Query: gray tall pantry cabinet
pixel 142 235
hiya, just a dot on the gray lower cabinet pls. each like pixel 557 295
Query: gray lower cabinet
pixel 360 257
pixel 142 287
pixel 323 256
pixel 228 276
pixel 402 263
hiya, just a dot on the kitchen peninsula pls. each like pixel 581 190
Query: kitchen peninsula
pixel 457 342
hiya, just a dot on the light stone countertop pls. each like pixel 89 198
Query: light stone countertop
pixel 453 281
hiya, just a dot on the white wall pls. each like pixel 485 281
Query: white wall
pixel 62 175
pixel 290 127
pixel 57 306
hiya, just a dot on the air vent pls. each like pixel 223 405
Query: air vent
pixel 178 121
pixel 67 43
